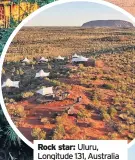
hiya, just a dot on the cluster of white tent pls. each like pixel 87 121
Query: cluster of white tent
pixel 43 91
pixel 42 59
pixel 41 73
pixel 77 58
pixel 10 83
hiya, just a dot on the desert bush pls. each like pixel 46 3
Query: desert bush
pixel 55 83
pixel 104 114
pixel 119 128
pixel 117 100
pixel 74 130
pixel 92 124
pixel 130 120
pixel 130 109
pixel 21 72
pixel 108 86
pixel 17 111
pixel 132 129
pixel 9 100
pixel 59 132
pixel 83 113
pixel 81 67
pixel 112 111
pixel 27 94
pixel 17 72
pixel 38 134
pixel 61 119
pixel 103 138
pixel 113 136
pixel 95 96
pixel 131 136
pixel 45 120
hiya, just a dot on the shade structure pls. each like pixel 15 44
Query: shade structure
pixel 43 59
pixel 9 83
pixel 75 56
pixel 60 58
pixel 80 59
pixel 45 91
pixel 41 73
pixel 26 60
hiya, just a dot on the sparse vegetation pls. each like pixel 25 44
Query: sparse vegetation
pixel 38 134
pixel 100 94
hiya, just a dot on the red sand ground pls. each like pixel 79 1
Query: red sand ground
pixel 37 111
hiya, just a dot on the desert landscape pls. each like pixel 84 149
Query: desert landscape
pixel 71 82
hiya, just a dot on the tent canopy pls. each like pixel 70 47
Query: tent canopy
pixel 9 83
pixel 60 58
pixel 41 73
pixel 26 60
pixel 80 59
pixel 75 56
pixel 45 91
pixel 43 59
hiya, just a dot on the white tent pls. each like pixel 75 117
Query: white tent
pixel 43 59
pixel 75 56
pixel 9 83
pixel 80 59
pixel 60 58
pixel 41 73
pixel 45 91
pixel 26 60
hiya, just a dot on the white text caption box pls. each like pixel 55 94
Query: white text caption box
pixel 80 149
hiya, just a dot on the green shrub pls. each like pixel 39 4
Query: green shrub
pixel 38 134
pixel 59 132
pixel 92 124
pixel 74 130
pixel 113 136
pixel 83 113
pixel 130 109
pixel 27 94
pixel 17 111
pixel 102 138
pixel 108 86
pixel 106 116
pixel 132 129
pixel 45 120
pixel 131 136
pixel 112 111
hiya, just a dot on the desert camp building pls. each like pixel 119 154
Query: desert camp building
pixel 41 73
pixel 25 60
pixel 10 83
pixel 60 58
pixel 43 60
pixel 45 91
